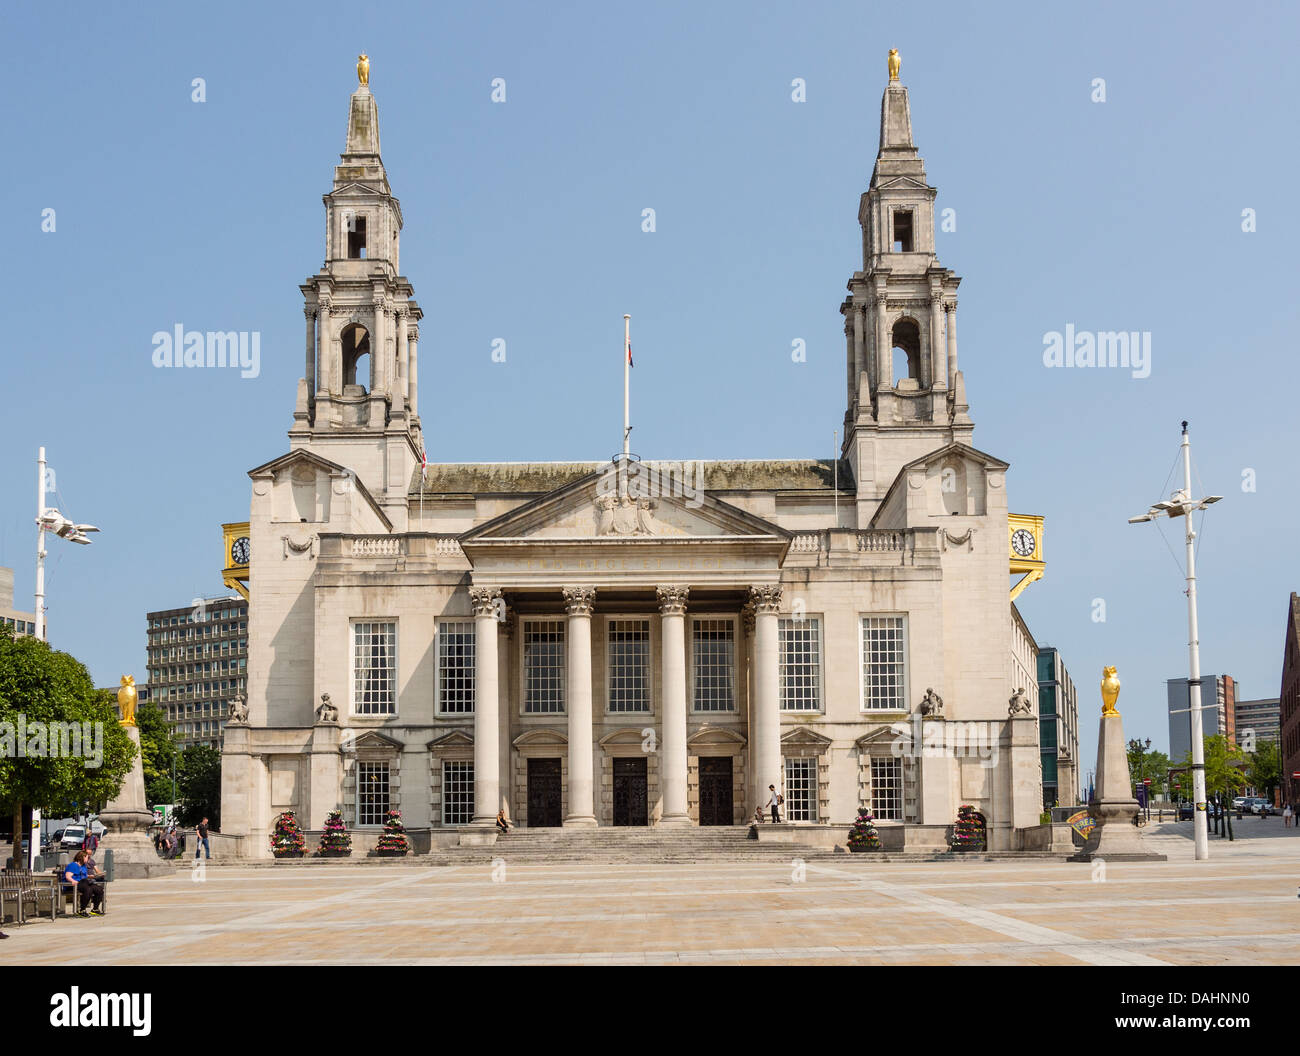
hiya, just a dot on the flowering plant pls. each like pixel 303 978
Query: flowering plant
pixel 287 839
pixel 335 837
pixel 863 836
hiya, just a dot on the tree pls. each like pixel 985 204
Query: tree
pixel 62 767
pixel 198 779
pixel 1224 763
pixel 1265 768
pixel 157 750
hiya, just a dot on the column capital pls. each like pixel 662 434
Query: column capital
pixel 748 618
pixel 766 599
pixel 485 601
pixel 324 301
pixel 672 599
pixel 412 332
pixel 950 306
pixel 309 310
pixel 578 601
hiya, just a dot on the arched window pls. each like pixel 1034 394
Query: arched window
pixel 356 355
pixel 906 343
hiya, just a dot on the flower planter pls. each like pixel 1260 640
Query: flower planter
pixel 288 854
pixel 391 853
pixel 862 848
pixel 335 852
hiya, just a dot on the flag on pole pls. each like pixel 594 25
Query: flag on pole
pixel 629 353
pixel 424 464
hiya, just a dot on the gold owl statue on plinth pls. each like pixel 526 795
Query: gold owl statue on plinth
pixel 363 70
pixel 126 698
pixel 895 64
pixel 1109 692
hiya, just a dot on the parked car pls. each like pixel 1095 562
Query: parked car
pixel 1239 802
pixel 1185 811
pixel 1259 805
pixel 72 838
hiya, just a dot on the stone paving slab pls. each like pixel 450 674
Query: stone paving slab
pixel 1238 908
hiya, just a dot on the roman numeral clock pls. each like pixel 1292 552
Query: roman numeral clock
pixel 1025 549
pixel 238 550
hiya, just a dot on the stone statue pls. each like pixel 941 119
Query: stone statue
pixel 1109 691
pixel 327 712
pixel 238 712
pixel 363 70
pixel 126 698
pixel 895 64
pixel 1019 704
pixel 931 703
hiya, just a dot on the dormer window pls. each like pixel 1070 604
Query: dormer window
pixel 357 239
pixel 902 230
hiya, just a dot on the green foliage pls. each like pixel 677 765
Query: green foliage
pixel 157 750
pixel 198 780
pixel 1265 768
pixel 1224 765
pixel 40 684
pixel 1143 763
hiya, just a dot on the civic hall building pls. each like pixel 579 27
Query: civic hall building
pixel 627 643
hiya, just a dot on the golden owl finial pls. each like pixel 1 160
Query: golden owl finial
pixel 895 63
pixel 363 69
pixel 126 698
pixel 1109 692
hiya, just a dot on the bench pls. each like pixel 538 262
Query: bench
pixel 19 889
pixel 69 894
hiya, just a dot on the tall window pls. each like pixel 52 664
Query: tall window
pixel 372 793
pixel 884 663
pixel 456 667
pixel 629 665
pixel 801 664
pixel 374 668
pixel 457 793
pixel 713 649
pixel 801 790
pixel 543 666
pixel 887 788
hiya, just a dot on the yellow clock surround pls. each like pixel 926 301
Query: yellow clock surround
pixel 1031 565
pixel 234 575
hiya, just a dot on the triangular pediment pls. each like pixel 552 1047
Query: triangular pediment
pixel 906 182
pixel 658 504
pixel 454 739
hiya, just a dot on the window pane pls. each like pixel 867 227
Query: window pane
pixel 372 793
pixel 800 664
pixel 713 647
pixel 456 667
pixel 543 666
pixel 457 793
pixel 629 665
pixel 883 663
pixel 374 668
pixel 801 790
pixel 887 788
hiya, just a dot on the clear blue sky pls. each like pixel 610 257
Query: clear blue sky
pixel 523 223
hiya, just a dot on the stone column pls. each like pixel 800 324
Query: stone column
pixel 505 710
pixel 327 382
pixel 310 313
pixel 578 602
pixel 951 308
pixel 672 770
pixel 884 349
pixel 487 779
pixel 403 357
pixel 413 338
pixel 859 343
pixel 379 348
pixel 850 355
pixel 938 358
pixel 766 703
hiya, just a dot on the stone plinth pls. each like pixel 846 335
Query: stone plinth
pixel 127 819
pixel 1115 837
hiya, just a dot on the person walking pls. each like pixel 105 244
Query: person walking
pixel 774 800
pixel 1286 816
pixel 201 837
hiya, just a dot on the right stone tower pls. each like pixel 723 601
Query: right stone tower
pixel 906 396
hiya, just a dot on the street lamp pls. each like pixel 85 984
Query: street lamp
pixel 1181 504
pixel 49 519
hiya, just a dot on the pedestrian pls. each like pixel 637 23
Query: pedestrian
pixel 201 837
pixel 774 801
pixel 502 822
pixel 74 874
pixel 1286 816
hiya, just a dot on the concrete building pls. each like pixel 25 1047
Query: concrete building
pixel 1262 718
pixel 1218 699
pixel 17 621
pixel 1290 702
pixel 630 643
pixel 1058 729
pixel 197 658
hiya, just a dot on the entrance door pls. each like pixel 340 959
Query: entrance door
pixel 543 793
pixel 630 799
pixel 716 805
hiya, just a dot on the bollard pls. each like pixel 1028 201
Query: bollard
pixel 108 866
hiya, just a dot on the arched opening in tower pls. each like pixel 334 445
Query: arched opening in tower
pixel 906 342
pixel 356 356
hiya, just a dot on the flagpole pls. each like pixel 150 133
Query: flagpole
pixel 627 373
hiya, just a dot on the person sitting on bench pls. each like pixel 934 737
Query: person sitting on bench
pixel 74 874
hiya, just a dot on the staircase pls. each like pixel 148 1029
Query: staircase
pixel 629 844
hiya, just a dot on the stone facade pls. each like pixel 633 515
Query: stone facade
pixel 631 643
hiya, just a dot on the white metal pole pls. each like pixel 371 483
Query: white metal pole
pixel 627 375
pixel 40 546
pixel 1200 823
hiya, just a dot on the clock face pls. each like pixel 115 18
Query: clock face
pixel 239 551
pixel 1022 542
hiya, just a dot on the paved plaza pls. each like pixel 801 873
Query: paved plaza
pixel 1239 908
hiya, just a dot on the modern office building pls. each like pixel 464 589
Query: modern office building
pixel 197 662
pixel 1218 700
pixel 16 621
pixel 1262 717
pixel 1058 729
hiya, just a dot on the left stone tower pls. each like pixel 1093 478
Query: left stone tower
pixel 358 404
